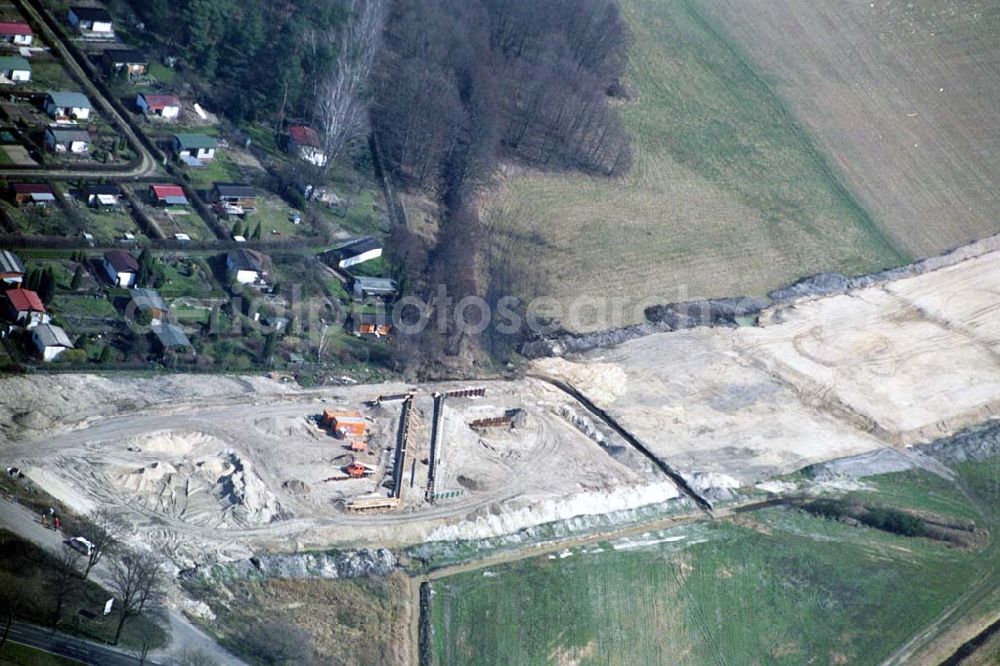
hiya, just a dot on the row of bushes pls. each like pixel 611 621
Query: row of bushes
pixel 881 518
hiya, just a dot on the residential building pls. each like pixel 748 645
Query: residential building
pixel 370 323
pixel 125 61
pixel 50 341
pixel 100 195
pixel 32 194
pixel 167 195
pixel 162 106
pixel 170 337
pixel 121 267
pixel 24 308
pixel 198 146
pixel 235 198
pixel 60 140
pixel 16 32
pixel 149 302
pixel 67 106
pixel 11 268
pixel 304 141
pixel 246 266
pixel 368 287
pixel 354 252
pixel 91 21
pixel 15 68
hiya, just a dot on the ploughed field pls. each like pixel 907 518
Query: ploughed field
pixel 904 97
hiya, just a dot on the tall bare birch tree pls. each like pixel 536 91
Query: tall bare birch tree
pixel 342 99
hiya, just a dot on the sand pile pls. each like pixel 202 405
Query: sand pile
pixel 217 489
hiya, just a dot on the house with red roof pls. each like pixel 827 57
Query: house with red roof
pixel 167 195
pixel 304 141
pixel 160 106
pixel 24 308
pixel 16 32
pixel 35 194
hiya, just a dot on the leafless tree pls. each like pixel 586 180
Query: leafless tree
pixel 342 102
pixel 12 598
pixel 136 581
pixel 194 658
pixel 63 580
pixel 102 529
pixel 278 643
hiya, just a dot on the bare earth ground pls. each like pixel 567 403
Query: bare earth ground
pixel 206 467
pixel 887 365
pixel 219 467
pixel 905 97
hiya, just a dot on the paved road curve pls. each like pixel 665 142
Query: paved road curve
pixel 71 647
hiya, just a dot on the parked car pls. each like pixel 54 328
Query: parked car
pixel 81 545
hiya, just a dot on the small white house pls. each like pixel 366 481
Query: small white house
pixel 91 20
pixel 355 252
pixel 246 266
pixel 198 146
pixel 121 268
pixel 304 142
pixel 162 106
pixel 67 140
pixel 15 69
pixel 50 341
pixel 16 32
pixel 67 106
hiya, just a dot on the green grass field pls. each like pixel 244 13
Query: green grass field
pixel 776 586
pixel 728 195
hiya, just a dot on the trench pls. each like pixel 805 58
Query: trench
pixel 632 440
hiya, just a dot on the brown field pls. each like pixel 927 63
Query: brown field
pixel 904 96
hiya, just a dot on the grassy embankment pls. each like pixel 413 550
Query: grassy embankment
pixel 729 194
pixel 777 586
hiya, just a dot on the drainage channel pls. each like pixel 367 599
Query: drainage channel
pixel 674 475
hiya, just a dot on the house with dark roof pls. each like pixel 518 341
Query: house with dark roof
pixel 128 62
pixel 15 69
pixel 67 106
pixel 377 287
pixel 234 198
pixel 50 341
pixel 246 266
pixel 24 308
pixel 304 141
pixel 102 195
pixel 370 323
pixel 63 140
pixel 16 32
pixel 169 337
pixel 121 267
pixel 11 268
pixel 353 252
pixel 91 21
pixel 160 106
pixel 198 146
pixel 150 302
pixel 32 194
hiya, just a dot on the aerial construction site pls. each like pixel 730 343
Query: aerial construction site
pixel 214 467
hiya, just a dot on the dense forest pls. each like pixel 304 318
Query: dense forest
pixel 264 57
pixel 464 82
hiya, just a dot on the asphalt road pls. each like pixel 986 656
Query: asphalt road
pixel 60 644
pixel 183 634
